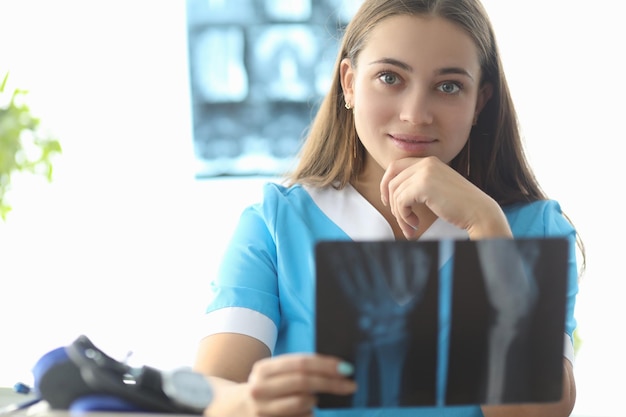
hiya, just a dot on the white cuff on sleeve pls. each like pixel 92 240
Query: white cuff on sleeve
pixel 243 321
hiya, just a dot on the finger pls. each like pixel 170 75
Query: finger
pixel 393 170
pixel 386 182
pixel 296 383
pixel 397 190
pixel 410 187
pixel 384 187
pixel 303 363
pixel 390 193
pixel 300 405
pixel 408 222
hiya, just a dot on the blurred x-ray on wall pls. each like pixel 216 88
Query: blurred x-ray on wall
pixel 258 71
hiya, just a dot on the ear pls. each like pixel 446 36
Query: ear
pixel 346 74
pixel 484 94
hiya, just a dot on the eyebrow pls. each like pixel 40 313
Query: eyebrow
pixel 408 68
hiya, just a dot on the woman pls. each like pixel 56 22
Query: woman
pixel 417 138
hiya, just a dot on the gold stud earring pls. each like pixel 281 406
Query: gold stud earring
pixel 348 106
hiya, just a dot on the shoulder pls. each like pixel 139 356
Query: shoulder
pixel 276 196
pixel 277 191
pixel 538 218
pixel 261 220
pixel 279 201
pixel 268 204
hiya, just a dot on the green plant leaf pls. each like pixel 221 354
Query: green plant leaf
pixel 4 82
pixel 24 146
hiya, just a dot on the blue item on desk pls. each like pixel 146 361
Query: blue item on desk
pixel 102 403
pixel 80 377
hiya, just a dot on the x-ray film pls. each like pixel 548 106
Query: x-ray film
pixel 508 321
pixel 379 305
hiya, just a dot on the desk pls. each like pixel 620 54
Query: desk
pixel 7 396
pixel 42 410
pixel 60 413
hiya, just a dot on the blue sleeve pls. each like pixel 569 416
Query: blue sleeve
pixel 247 273
pixel 546 219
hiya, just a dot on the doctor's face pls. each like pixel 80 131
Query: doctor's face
pixel 415 89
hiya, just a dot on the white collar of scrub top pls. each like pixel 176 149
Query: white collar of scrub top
pixel 349 210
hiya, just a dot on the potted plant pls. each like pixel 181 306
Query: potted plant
pixel 24 145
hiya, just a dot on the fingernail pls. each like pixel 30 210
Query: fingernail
pixel 345 369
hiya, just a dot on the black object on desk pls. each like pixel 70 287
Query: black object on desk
pixel 81 377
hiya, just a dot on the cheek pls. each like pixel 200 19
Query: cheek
pixel 372 108
pixel 460 125
pixel 457 120
pixel 458 133
pixel 370 118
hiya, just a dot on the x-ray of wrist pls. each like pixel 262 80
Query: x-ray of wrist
pixel 487 330
pixel 383 285
pixel 507 267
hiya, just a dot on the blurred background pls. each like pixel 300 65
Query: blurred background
pixel 170 122
pixel 267 62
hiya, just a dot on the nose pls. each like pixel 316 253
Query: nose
pixel 416 107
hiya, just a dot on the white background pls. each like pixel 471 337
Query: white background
pixel 122 244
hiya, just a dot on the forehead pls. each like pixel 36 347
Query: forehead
pixel 422 41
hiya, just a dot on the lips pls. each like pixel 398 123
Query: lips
pixel 417 145
pixel 413 138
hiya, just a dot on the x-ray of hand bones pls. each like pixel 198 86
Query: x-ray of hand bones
pixel 383 294
pixel 512 291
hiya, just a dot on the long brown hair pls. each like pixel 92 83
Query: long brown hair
pixel 498 164
pixel 332 153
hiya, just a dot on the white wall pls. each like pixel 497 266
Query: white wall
pixel 122 244
pixel 564 64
